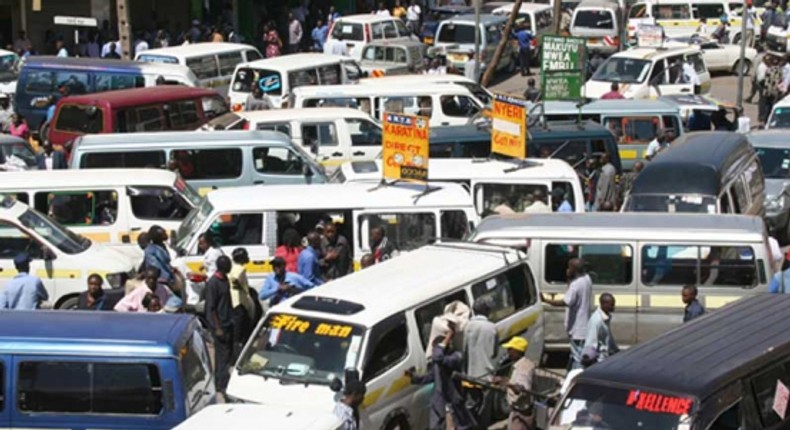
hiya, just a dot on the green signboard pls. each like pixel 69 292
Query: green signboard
pixel 562 67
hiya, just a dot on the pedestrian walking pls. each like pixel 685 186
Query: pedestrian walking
pixel 524 38
pixel 751 18
pixel 382 10
pixel 519 385
pixel 576 301
pixel 599 342
pixel 245 313
pixel 381 247
pixel 480 350
pixel 531 93
pixel 24 292
pixel 271 38
pixel 347 407
pixel 413 14
pixel 282 284
pixel 294 34
pixel 49 159
pixel 614 93
pixel 207 246
pixel 693 308
pixel 309 262
pixel 606 187
pixel 319 35
pixel 337 258
pixel 133 301
pixel 219 319
pixel 95 298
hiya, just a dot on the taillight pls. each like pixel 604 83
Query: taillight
pixel 196 277
pixel 367 32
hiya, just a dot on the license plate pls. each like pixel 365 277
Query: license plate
pixel 594 41
pixel 457 57
pixel 428 40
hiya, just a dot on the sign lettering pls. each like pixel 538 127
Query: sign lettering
pixel 658 403
pixel 509 127
pixel 562 66
pixel 295 324
pixel 405 147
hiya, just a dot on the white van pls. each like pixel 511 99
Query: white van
pixel 377 324
pixel 599 22
pixel 683 18
pixel 237 416
pixel 536 17
pixel 780 115
pixel 61 258
pixel 277 77
pixel 111 206
pixel 332 135
pixel 356 31
pixel 257 218
pixel 490 182
pixel 483 95
pixel 646 73
pixel 456 37
pixel 212 63
pixel 445 104
pixel 644 260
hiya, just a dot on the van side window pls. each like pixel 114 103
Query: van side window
pixel 183 115
pixel 329 75
pixel 458 106
pixel 658 76
pixel 699 63
pixel 671 11
pixel 39 82
pixel 81 387
pixel 425 314
pixel 239 229
pixel 228 62
pixel 764 386
pixel 516 197
pixel 79 208
pixel 109 82
pixel 389 346
pixel 136 159
pixel 729 419
pixel 709 11
pixel 752 178
pixel 727 266
pixel 671 123
pixel 508 291
pixel 149 118
pixel 284 128
pixel 196 366
pixel 638 11
pixel 568 195
pixel 157 203
pixel 377 30
pixel 203 67
pixel 319 134
pixel 698 265
pixel 363 132
pixel 300 78
pixel 253 55
pixel 224 163
pixel 405 231
pixel 607 264
pixel 13 241
pixel 404 32
pixel 80 119
pixel 455 225
pixel 280 161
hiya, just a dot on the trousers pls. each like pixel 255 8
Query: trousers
pixel 223 355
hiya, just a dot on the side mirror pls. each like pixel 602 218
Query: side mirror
pixel 48 255
pixel 306 170
pixel 336 385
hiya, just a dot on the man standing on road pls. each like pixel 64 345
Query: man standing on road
pixel 347 408
pixel 338 253
pixel 219 318
pixel 24 292
pixel 600 342
pixel 693 308
pixel 518 386
pixel 294 34
pixel 606 188
pixel 281 284
pixel 309 262
pixel 524 38
pixel 481 344
pixel 576 301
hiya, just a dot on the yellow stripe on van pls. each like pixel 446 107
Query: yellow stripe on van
pixel 8 273
pixel 203 191
pixel 626 300
pixel 628 154
pixel 713 302
pixel 266 267
pixel 372 397
pixel 518 327
pixel 666 301
pixel 332 163
pixel 98 237
pixel 399 385
pixel 59 273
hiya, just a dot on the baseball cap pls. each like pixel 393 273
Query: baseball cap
pixel 22 258
pixel 517 343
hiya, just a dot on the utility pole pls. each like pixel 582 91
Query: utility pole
pixel 492 65
pixel 124 30
pixel 477 37
pixel 741 61
pixel 557 11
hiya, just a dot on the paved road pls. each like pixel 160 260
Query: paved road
pixel 725 88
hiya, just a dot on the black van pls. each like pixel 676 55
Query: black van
pixel 729 369
pixel 565 140
pixel 705 172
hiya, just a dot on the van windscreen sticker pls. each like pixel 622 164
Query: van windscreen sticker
pixel 658 403
pixel 293 323
pixel 269 83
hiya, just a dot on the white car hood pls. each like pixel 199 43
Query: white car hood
pixel 113 259
pixel 254 388
pixel 596 89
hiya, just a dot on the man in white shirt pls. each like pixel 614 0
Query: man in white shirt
pixel 383 11
pixel 690 75
pixel 61 48
pixel 469 68
pixel 413 16
pixel 538 203
pixel 751 14
pixel 758 80
pixel 656 145
pixel 141 45
pixel 336 47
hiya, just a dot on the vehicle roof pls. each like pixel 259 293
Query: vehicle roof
pixel 139 96
pixel 405 281
pixel 181 138
pixel 245 416
pixel 694 164
pixel 467 132
pixel 397 42
pixel 485 19
pixel 272 115
pixel 624 106
pixel 411 78
pixel 653 53
pixel 127 334
pixel 597 3
pixel 201 48
pixel 730 343
pixel 73 178
pixel 776 138
pixel 386 87
pixel 524 8
pixel 622 226
pixel 444 169
pixel 338 196
pixel 103 64
pixel 294 61
pixel 365 18
pixel 7 52
pixel 784 102
pixel 554 129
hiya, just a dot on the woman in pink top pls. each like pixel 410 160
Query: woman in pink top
pixel 133 302
pixel 290 249
pixel 273 42
pixel 18 127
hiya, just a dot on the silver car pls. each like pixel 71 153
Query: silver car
pixel 399 57
pixel 773 149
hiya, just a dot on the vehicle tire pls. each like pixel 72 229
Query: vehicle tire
pixel 69 304
pixel 398 423
pixel 747 66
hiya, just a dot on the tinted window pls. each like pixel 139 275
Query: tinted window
pixel 13 241
pixel 707 11
pixel 698 265
pixel 329 75
pixel 228 62
pixel 323 134
pixel 239 229
pixel 269 81
pixel 157 203
pixel 253 55
pixel 79 208
pixel 637 11
pixel 389 347
pixel 364 132
pixel 183 115
pixel 203 67
pixel 281 161
pixel 455 225
pixel 765 387
pixel 39 82
pixel 597 19
pixel 149 118
pixel 153 159
pixel 42 82
pixel 225 163
pixel 284 127
pixel 80 119
pixel 670 11
pixel 508 292
pixel 459 106
pixel 110 81
pixel 196 364
pixel 79 387
pixel 424 315
pixel 405 231
pixel 303 77
pixel 452 33
pixel 607 264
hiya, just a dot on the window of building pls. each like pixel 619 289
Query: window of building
pixel 80 119
pixel 425 315
pixel 238 229
pixel 607 264
pixel 405 231
pixel 96 388
pixel 217 163
pixel 508 292
pixel 277 160
pixel 389 340
pixel 84 208
pixel 136 159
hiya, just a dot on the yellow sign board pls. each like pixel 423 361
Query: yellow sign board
pixel 509 127
pixel 405 147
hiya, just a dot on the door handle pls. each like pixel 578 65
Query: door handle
pixel 257 182
pixel 337 154
pixel 136 228
pixel 359 153
pixel 685 90
pixel 445 123
pixel 125 238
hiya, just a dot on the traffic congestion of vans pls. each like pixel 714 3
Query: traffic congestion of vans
pixel 396 215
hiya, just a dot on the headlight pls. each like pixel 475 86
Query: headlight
pixel 774 203
pixel 116 280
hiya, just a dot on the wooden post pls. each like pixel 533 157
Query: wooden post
pixel 557 12
pixel 502 43
pixel 124 30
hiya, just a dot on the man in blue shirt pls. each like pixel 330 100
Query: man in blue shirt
pixel 319 35
pixel 309 262
pixel 281 284
pixel 524 37
pixel 693 308
pixel 24 292
pixel 156 255
pixel 780 283
pixel 560 201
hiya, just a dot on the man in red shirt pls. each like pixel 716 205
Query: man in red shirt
pixel 613 94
